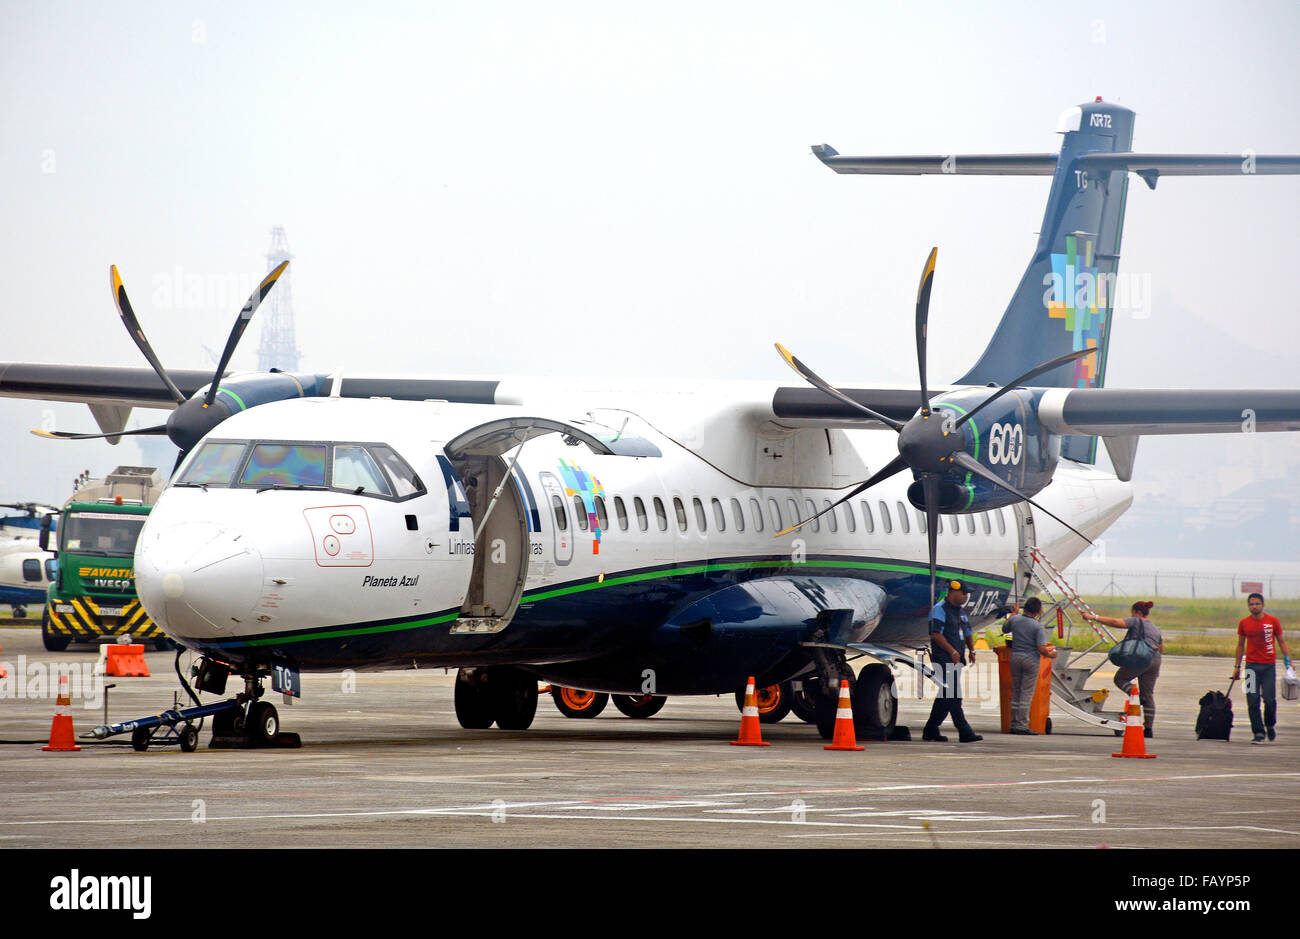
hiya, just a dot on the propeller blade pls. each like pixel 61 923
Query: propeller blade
pixel 974 465
pixel 1017 382
pixel 160 430
pixel 930 487
pixel 817 381
pixel 922 324
pixel 896 465
pixel 133 327
pixel 241 323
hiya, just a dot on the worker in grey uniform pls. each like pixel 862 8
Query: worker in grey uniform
pixel 1029 644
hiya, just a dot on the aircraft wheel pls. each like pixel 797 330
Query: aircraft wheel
pixel 140 738
pixel 473 703
pixel 52 642
pixel 828 704
pixel 640 705
pixel 875 707
pixel 263 723
pixel 774 701
pixel 514 698
pixel 803 698
pixel 189 738
pixel 573 702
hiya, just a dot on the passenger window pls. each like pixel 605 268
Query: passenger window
pixel 737 515
pixel 213 465
pixel 774 514
pixel 831 520
pixel 955 524
pixel 867 521
pixel 680 511
pixel 406 482
pixel 984 518
pixel 661 514
pixel 700 519
pixel 31 569
pixel 1002 525
pixel 286 464
pixel 903 521
pixel 579 513
pixel 756 514
pixel 938 524
pixel 561 519
pixel 602 517
pixel 794 511
pixel 719 516
pixel 642 520
pixel 885 521
pixel 848 517
pixel 811 508
pixel 970 524
pixel 355 471
pixel 621 511
pixel 920 522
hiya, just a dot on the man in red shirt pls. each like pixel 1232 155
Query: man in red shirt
pixel 1257 635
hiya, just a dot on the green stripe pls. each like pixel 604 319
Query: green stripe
pixel 238 399
pixel 996 583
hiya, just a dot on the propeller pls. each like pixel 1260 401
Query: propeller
pixel 928 446
pixel 191 420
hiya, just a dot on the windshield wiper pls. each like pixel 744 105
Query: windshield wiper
pixel 284 486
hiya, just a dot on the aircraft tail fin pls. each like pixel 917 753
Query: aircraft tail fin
pixel 1066 299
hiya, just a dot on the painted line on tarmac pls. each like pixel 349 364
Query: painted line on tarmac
pixel 1099 830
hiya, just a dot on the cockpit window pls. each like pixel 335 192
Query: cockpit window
pixel 405 480
pixel 355 470
pixel 214 465
pixel 285 464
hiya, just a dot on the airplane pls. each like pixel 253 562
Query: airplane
pixel 640 541
pixel 25 570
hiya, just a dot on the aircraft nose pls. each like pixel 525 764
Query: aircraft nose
pixel 198 580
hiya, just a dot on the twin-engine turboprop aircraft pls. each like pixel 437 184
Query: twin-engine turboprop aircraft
pixel 630 541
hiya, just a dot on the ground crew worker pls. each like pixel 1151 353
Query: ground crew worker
pixel 1256 636
pixel 951 642
pixel 1028 645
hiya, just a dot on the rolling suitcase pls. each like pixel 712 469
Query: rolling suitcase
pixel 1215 720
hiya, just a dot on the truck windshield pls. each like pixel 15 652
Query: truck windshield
pixel 101 533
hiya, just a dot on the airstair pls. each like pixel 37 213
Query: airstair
pixel 1072 668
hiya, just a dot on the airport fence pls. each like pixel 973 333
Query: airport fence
pixel 1188 584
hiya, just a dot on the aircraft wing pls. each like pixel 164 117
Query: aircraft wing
pixel 96 384
pixel 1116 411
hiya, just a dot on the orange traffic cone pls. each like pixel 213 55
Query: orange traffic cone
pixel 845 738
pixel 1134 745
pixel 3 673
pixel 61 729
pixel 750 734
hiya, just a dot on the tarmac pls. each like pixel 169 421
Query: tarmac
pixel 385 764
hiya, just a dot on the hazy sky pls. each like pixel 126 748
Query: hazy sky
pixel 505 189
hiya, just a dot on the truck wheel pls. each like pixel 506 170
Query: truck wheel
pixel 263 724
pixel 140 738
pixel 774 701
pixel 640 705
pixel 574 702
pixel 52 642
pixel 189 738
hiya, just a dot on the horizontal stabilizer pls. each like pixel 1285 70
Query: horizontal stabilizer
pixel 976 164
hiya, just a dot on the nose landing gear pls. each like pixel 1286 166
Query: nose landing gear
pixel 255 724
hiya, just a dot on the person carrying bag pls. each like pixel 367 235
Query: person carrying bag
pixel 1137 656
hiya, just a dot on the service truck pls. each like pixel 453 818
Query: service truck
pixel 93 593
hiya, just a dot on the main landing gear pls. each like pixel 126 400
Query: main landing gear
pixel 495 694
pixel 871 691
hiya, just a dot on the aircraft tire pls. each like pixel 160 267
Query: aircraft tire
pixel 263 724
pixel 473 703
pixel 640 706
pixel 802 702
pixel 574 702
pixel 774 702
pixel 514 698
pixel 875 706
pixel 828 705
pixel 52 642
